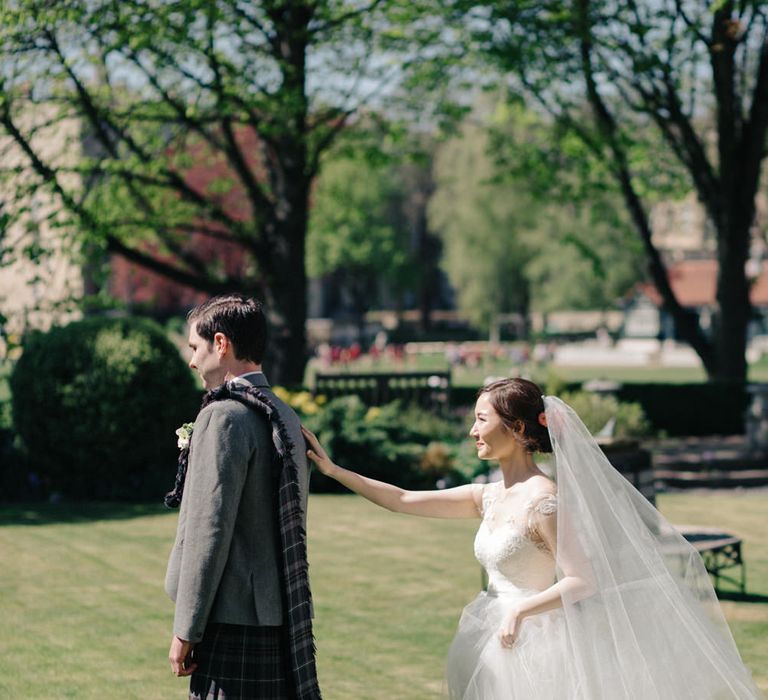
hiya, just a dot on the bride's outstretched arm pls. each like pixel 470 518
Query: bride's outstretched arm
pixel 458 502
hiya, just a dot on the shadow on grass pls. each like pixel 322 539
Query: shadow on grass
pixel 739 597
pixel 75 512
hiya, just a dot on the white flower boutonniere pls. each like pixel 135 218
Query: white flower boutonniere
pixel 184 434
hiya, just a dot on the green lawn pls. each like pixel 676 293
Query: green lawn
pixel 84 614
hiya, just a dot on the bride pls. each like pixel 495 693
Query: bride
pixel 591 594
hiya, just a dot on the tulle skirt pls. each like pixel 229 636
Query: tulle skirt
pixel 545 663
pixel 479 668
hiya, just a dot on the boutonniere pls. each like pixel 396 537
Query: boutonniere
pixel 184 434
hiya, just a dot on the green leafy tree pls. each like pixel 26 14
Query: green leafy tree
pixel 369 227
pixel 199 130
pixel 357 232
pixel 508 249
pixel 583 260
pixel 483 227
pixel 417 181
pixel 618 78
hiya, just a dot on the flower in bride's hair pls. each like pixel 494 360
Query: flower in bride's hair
pixel 555 420
pixel 184 434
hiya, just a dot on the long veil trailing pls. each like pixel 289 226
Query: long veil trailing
pixel 645 622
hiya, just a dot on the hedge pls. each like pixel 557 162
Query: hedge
pixel 96 404
pixel 691 409
pixel 674 409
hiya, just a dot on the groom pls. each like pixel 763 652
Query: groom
pixel 234 585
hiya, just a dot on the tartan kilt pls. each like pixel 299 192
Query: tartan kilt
pixel 241 662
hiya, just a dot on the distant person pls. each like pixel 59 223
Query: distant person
pixel 453 355
pixel 380 341
pixel 541 353
pixel 592 595
pixel 324 355
pixel 238 570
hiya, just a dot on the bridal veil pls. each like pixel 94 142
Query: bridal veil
pixel 643 621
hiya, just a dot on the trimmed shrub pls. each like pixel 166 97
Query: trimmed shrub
pixel 597 409
pixel 96 404
pixel 14 478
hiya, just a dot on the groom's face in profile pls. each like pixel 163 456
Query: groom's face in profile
pixel 205 359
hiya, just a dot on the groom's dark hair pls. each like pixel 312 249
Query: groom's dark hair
pixel 238 317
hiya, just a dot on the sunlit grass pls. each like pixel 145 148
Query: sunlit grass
pixel 84 614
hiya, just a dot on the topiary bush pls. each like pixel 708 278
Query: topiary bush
pixel 96 404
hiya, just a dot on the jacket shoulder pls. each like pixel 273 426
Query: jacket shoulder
pixel 233 413
pixel 225 407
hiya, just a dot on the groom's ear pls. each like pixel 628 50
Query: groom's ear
pixel 221 344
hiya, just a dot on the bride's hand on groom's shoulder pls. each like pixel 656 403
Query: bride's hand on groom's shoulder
pixel 317 454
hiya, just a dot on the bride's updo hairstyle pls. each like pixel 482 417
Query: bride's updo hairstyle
pixel 520 405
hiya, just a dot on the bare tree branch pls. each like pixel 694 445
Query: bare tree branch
pixel 610 131
pixel 753 147
pixel 259 201
pixel 345 17
pixel 49 177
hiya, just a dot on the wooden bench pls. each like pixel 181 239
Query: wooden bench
pixel 720 551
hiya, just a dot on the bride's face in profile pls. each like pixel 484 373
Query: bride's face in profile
pixel 493 439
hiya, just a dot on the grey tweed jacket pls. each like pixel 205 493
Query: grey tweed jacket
pixel 225 562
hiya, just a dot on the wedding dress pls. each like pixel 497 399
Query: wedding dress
pixel 644 622
pixel 517 566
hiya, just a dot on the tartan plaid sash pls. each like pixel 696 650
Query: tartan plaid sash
pixel 295 568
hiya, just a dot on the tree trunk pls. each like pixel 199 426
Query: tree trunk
pixel 286 301
pixel 363 292
pixel 429 249
pixel 731 215
pixel 290 184
pixel 287 355
pixel 429 256
pixel 732 320
pixel 286 293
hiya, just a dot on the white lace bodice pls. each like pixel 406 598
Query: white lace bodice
pixel 508 546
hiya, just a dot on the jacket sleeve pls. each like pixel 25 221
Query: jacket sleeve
pixel 216 475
